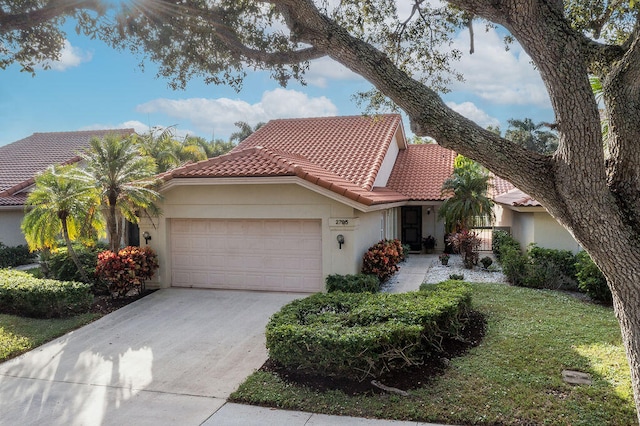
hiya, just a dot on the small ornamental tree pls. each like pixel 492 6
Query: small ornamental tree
pixel 466 243
pixel 127 269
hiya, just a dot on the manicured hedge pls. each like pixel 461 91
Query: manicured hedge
pixel 591 280
pixel 366 334
pixel 15 256
pixel 61 267
pixel 358 283
pixel 22 294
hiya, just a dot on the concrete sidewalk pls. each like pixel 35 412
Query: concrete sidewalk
pixel 246 415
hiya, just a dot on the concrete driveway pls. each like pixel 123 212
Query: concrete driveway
pixel 170 358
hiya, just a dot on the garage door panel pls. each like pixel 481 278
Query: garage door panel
pixel 280 255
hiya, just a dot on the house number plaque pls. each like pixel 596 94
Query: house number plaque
pixel 342 222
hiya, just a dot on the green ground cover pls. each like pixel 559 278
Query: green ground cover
pixel 512 378
pixel 20 334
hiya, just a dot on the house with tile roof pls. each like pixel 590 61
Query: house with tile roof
pixel 269 215
pixel 529 222
pixel 22 160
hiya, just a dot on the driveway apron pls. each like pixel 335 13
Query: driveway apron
pixel 172 357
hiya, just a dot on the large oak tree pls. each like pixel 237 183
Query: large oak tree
pixel 592 191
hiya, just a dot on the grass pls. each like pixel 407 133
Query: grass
pixel 20 334
pixel 512 378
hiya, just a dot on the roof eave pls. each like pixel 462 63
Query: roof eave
pixel 364 205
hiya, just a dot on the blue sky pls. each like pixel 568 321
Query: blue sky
pixel 95 87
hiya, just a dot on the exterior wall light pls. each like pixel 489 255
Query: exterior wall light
pixel 146 236
pixel 340 239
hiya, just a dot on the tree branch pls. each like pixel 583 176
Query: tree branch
pixel 216 18
pixel 428 113
pixel 52 10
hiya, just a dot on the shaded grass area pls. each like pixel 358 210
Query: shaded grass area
pixel 20 334
pixel 512 378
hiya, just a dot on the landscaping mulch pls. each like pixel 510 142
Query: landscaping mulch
pixel 105 304
pixel 406 379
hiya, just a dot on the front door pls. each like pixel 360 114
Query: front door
pixel 412 227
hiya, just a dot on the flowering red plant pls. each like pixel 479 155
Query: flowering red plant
pixel 382 259
pixel 127 269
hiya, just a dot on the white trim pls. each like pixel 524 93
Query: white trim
pixel 279 180
pixel 525 209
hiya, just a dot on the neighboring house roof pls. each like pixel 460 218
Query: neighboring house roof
pixel 341 154
pixel 516 198
pixel 22 160
pixel 420 171
pixel 500 186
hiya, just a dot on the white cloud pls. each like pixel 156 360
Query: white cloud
pixel 325 68
pixel 70 57
pixel 139 128
pixel 473 113
pixel 218 115
pixel 498 75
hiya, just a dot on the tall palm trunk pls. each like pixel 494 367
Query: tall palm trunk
pixel 72 252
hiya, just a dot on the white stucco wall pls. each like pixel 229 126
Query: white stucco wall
pixel 272 201
pixel 370 231
pixel 431 225
pixel 550 234
pixel 387 164
pixel 503 216
pixel 10 233
pixel 523 228
pixel 538 227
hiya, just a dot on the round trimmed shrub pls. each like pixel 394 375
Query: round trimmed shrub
pixel 366 334
pixel 591 280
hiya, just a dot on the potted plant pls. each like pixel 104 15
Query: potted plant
pixel 444 259
pixel 429 243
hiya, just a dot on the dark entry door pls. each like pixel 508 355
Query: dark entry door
pixel 412 227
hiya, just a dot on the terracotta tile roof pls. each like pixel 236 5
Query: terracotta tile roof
pixel 420 171
pixel 517 198
pixel 20 161
pixel 341 154
pixel 500 186
pixel 17 200
pixel 260 161
pixel 352 147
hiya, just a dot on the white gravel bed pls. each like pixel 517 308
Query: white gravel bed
pixel 438 272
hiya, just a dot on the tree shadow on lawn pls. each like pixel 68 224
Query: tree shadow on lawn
pixel 406 379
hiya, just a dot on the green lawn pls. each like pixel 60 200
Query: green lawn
pixel 19 334
pixel 512 378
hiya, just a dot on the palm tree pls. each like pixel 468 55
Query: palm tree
pixel 211 148
pixel 244 130
pixel 468 186
pixel 161 145
pixel 62 205
pixel 124 181
pixel 532 136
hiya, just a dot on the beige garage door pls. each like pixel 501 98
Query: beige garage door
pixel 276 255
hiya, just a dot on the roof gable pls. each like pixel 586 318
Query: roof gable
pixel 339 154
pixel 20 161
pixel 420 171
pixel 352 147
pixel 264 162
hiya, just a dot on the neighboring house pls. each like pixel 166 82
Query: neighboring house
pixel 267 215
pixel 529 222
pixel 22 160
